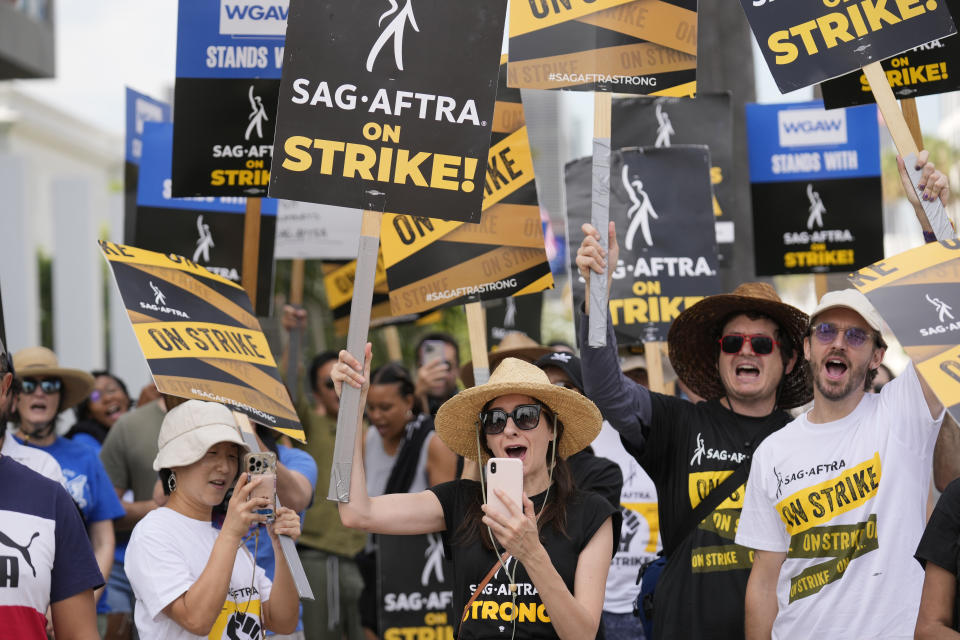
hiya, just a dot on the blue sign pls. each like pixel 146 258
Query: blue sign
pixel 231 38
pixel 154 186
pixel 141 109
pixel 802 141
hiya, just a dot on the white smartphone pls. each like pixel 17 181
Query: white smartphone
pixel 505 474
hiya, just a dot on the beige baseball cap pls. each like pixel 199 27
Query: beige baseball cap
pixel 849 299
pixel 190 429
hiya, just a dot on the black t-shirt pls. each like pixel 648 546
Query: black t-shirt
pixel 491 614
pixel 940 543
pixel 597 474
pixel 689 449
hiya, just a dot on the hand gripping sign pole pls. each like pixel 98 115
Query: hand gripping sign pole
pixel 600 214
pixel 293 347
pixel 349 414
pixel 935 218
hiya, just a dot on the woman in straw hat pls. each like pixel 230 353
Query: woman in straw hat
pixel 540 570
pixel 192 576
pixel 46 390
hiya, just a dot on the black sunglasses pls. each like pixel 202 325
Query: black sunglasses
pixel 48 386
pixel 761 345
pixel 826 333
pixel 525 416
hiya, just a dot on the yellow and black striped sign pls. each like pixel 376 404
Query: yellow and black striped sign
pixel 199 335
pixel 917 293
pixel 433 263
pixel 646 47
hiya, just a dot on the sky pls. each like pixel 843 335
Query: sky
pixel 105 45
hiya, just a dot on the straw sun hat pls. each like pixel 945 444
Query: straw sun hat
pixel 693 340
pixel 458 419
pixel 40 362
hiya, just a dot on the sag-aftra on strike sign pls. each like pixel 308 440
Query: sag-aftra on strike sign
pixel 809 41
pixel 388 104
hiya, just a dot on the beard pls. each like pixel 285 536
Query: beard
pixel 856 375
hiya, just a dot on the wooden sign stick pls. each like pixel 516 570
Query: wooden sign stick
pixel 600 214
pixel 477 331
pixel 293 347
pixel 287 545
pixel 654 354
pixel 350 411
pixel 910 114
pixel 820 286
pixel 934 218
pixel 251 248
pixel 391 335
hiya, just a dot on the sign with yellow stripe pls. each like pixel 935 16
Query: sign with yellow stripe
pixel 433 263
pixel 917 293
pixel 199 335
pixel 630 46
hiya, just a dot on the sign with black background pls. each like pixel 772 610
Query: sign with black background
pixel 706 119
pixel 378 115
pixel 807 41
pixel 931 68
pixel 668 257
pixel 229 56
pixel 207 230
pixel 414 588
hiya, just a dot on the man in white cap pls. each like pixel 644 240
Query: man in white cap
pixel 830 546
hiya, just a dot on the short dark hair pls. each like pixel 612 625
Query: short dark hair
pixel 82 410
pixel 318 361
pixel 443 337
pixel 394 373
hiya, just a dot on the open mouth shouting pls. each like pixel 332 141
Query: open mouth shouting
pixel 747 370
pixel 516 451
pixel 835 367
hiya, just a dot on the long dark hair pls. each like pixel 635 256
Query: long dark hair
pixel 82 410
pixel 553 512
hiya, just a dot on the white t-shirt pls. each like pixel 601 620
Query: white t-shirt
pixel 639 534
pixel 846 501
pixel 33 458
pixel 167 553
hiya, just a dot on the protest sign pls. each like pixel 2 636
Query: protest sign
pixel 927 69
pixel 433 263
pixel 388 108
pixel 229 55
pixel 628 46
pixel 140 109
pixel 706 119
pixel 209 230
pixel 661 202
pixel 917 293
pixel 315 231
pixel 518 313
pixel 808 42
pixel 815 185
pixel 199 335
pixel 414 588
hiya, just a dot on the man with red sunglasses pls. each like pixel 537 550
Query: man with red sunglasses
pixel 829 544
pixel 741 352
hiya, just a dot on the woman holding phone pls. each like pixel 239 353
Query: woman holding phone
pixel 192 575
pixel 540 568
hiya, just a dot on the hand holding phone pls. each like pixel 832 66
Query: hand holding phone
pixel 263 464
pixel 505 474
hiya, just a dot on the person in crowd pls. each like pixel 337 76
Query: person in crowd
pixel 537 572
pixel 100 410
pixel 741 352
pixel 436 375
pixel 401 455
pixel 515 344
pixel 191 574
pixel 327 548
pixel 822 474
pixel 635 499
pixel 47 561
pixel 939 554
pixel 560 345
pixel 45 390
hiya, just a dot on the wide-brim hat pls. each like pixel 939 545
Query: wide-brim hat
pixel 457 421
pixel 693 336
pixel 40 362
pixel 190 429
pixel 515 344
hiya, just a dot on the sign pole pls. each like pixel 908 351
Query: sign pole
pixel 293 348
pixel 349 415
pixel 934 218
pixel 477 331
pixel 392 337
pixel 654 353
pixel 600 214
pixel 909 108
pixel 251 248
pixel 820 286
pixel 287 545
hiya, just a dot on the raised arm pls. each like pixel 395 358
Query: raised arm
pixel 623 402
pixel 761 599
pixel 396 513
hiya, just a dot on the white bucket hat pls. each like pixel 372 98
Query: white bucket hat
pixel 190 429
